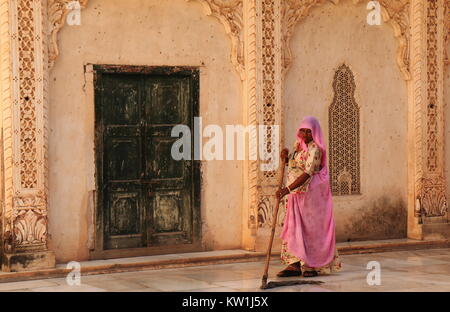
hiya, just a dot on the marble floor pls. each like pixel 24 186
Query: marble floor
pixel 401 271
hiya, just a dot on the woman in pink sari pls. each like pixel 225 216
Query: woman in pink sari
pixel 308 234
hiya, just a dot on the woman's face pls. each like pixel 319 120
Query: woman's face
pixel 306 135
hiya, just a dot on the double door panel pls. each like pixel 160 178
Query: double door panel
pixel 146 194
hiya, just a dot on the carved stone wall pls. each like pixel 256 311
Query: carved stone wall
pixel 206 45
pixel 271 106
pixel 432 196
pixel 57 13
pixel 229 12
pixel 251 104
pixel 394 12
pixel 292 12
pixel 28 216
pixel 260 32
pixel 427 117
pixel 6 142
pixel 25 133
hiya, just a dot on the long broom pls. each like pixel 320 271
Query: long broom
pixel 264 284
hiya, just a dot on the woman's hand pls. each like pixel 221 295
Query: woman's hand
pixel 284 155
pixel 281 193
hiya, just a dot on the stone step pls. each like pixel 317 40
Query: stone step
pixel 390 245
pixel 209 258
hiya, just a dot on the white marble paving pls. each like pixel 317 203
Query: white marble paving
pixel 418 270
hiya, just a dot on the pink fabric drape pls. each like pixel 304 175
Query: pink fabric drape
pixel 309 227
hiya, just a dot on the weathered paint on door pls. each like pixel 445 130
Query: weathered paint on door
pixel 146 198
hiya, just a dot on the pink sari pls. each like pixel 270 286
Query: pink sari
pixel 309 227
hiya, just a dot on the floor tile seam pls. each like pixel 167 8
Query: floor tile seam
pixel 135 282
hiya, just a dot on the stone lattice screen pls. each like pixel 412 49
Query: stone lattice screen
pixel 344 135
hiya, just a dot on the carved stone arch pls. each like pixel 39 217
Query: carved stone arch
pixel 229 13
pixel 394 12
pixel 57 13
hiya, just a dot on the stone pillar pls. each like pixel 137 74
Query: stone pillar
pixel 24 82
pixel 250 101
pixel 269 113
pixel 428 209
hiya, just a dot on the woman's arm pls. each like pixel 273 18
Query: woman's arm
pixel 313 161
pixel 297 183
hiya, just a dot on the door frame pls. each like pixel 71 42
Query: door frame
pixel 98 251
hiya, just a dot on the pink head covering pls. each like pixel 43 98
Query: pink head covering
pixel 312 123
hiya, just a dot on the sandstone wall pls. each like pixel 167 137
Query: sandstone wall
pixel 337 34
pixel 138 32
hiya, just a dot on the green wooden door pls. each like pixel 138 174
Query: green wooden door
pixel 146 197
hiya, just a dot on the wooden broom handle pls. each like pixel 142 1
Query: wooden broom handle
pixel 274 221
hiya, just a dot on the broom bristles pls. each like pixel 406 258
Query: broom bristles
pixel 290 283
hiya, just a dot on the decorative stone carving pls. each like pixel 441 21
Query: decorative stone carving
pixel 25 77
pixel 293 11
pixel 432 86
pixel 25 65
pixel 230 13
pixel 433 201
pixel 265 211
pixel 344 183
pixel 395 12
pixel 271 107
pixel 418 85
pixel 26 228
pixel 250 96
pixel 28 109
pixel 7 121
pixel 269 73
pixel 344 134
pixel 57 13
pixel 432 189
pixel 30 228
pixel 24 57
pixel 427 84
